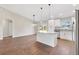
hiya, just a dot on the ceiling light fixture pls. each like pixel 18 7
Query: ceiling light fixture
pixel 74 5
pixel 73 11
pixel 33 18
pixel 49 11
pixel 41 14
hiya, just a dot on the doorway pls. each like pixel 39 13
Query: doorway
pixel 7 29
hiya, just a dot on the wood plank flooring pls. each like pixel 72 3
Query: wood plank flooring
pixel 27 45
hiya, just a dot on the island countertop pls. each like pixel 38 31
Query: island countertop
pixel 47 32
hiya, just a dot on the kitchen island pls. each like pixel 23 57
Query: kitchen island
pixel 47 38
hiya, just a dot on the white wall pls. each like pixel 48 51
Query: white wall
pixel 21 26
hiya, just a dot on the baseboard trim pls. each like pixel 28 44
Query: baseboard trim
pixel 65 39
pixel 7 36
pixel 23 36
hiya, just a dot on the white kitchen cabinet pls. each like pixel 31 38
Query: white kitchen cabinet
pixel 66 34
pixel 62 34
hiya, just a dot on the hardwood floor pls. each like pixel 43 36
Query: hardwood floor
pixel 27 45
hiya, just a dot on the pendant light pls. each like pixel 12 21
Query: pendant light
pixel 34 20
pixel 49 11
pixel 41 15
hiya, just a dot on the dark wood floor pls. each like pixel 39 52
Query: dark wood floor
pixel 27 45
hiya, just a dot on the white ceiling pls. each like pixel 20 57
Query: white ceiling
pixel 27 10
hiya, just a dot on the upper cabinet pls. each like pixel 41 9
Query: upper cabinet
pixel 66 22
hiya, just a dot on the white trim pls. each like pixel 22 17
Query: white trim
pixel 22 35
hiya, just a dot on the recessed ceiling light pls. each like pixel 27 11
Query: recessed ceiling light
pixel 74 5
pixel 73 11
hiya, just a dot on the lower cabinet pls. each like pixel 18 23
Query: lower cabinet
pixel 67 35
